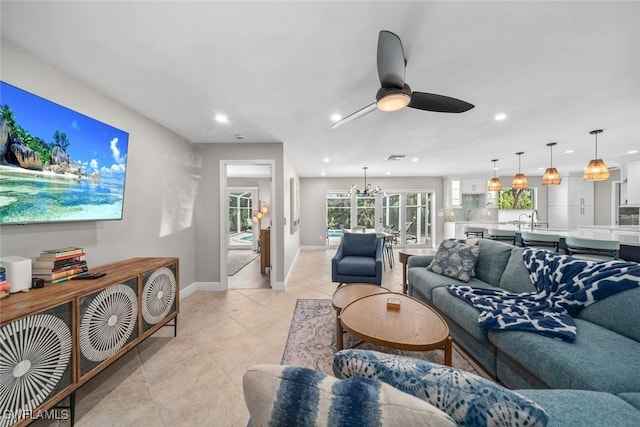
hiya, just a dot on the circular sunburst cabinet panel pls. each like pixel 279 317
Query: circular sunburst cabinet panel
pixel 159 291
pixel 108 322
pixel 35 361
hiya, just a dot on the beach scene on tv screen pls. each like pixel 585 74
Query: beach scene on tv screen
pixel 57 164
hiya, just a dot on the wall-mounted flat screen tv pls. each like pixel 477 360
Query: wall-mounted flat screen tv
pixel 57 165
pixel 513 198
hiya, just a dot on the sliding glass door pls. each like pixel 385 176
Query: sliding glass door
pixel 338 206
pixel 419 216
pixel 241 206
pixel 409 215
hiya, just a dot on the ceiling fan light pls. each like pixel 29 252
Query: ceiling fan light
pixel 394 101
pixel 596 171
pixel 495 184
pixel 551 177
pixel 520 182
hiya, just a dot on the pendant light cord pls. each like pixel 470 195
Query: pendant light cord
pixel 519 157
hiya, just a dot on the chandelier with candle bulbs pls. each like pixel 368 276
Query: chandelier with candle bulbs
pixel 368 189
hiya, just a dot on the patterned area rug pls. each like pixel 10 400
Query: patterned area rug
pixel 312 341
pixel 238 259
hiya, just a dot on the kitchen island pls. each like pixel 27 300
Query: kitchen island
pixel 627 235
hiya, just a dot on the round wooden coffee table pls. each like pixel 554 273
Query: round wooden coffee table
pixel 344 296
pixel 414 326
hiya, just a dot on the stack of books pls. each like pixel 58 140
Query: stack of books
pixel 59 265
pixel 4 285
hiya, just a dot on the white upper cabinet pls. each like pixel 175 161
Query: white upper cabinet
pixel 474 186
pixel 570 204
pixel 580 191
pixel 633 183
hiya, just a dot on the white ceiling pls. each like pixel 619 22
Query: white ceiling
pixel 280 69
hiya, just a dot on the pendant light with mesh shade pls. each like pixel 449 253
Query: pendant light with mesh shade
pixel 551 175
pixel 495 184
pixel 596 169
pixel 519 181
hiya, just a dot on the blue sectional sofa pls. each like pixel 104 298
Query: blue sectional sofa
pixel 605 356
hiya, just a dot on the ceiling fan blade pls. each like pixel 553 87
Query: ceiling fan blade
pixel 391 61
pixel 361 112
pixel 438 103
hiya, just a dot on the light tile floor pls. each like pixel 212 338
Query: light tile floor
pixel 195 379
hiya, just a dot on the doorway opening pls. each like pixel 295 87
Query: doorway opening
pixel 246 189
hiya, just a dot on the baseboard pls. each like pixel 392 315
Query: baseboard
pixel 286 279
pixel 199 286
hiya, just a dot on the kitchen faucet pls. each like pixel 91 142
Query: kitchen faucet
pixel 534 214
pixel 520 221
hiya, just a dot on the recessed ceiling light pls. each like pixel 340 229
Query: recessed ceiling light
pixel 500 116
pixel 541 168
pixel 326 160
pixel 568 152
pixel 336 117
pixel 323 173
pixel 221 118
pixel 414 160
pixel 388 173
pixel 632 151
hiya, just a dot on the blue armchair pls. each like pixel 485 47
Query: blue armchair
pixel 358 259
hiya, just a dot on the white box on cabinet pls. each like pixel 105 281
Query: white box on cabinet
pixel 18 270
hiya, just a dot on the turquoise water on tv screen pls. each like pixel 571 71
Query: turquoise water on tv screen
pixel 45 197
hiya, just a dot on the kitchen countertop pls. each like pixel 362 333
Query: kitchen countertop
pixel 615 227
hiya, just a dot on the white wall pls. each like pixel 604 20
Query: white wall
pixel 313 198
pixel 160 186
pixel 291 241
pixel 207 214
pixel 602 200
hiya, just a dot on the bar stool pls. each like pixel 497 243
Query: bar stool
pixel 502 235
pixel 540 240
pixel 592 249
pixel 473 231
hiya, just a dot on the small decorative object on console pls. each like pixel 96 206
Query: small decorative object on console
pixel 4 285
pixel 393 303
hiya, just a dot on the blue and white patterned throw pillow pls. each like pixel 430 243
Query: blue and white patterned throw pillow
pixel 456 258
pixel 469 399
pixel 279 395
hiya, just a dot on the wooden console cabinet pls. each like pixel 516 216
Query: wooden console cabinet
pixel 54 339
pixel 265 249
